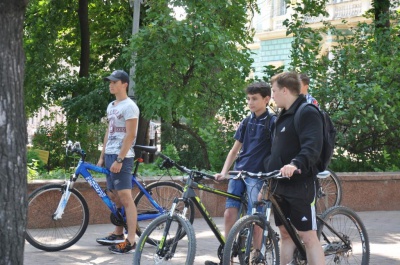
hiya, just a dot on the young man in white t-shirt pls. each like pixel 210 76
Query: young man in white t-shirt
pixel 117 155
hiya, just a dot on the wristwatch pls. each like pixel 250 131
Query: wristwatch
pixel 119 160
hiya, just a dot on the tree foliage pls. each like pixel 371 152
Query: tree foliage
pixel 51 138
pixel 190 70
pixel 52 41
pixel 356 81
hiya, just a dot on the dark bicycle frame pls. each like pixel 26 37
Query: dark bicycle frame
pixel 289 226
pixel 189 195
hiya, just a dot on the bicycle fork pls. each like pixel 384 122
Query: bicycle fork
pixel 63 201
pixel 164 246
pixel 265 221
pixel 266 218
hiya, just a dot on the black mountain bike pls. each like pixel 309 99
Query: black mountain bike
pixel 342 234
pixel 172 235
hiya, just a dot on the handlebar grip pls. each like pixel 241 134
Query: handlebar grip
pixel 208 176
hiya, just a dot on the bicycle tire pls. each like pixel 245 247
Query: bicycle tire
pixel 163 192
pixel 184 252
pixel 45 233
pixel 240 235
pixel 349 225
pixel 329 193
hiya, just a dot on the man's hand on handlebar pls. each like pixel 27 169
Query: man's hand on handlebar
pixel 288 170
pixel 220 176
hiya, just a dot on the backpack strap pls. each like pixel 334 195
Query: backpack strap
pixel 298 113
pixel 269 123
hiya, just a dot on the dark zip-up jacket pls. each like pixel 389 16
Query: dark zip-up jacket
pixel 302 148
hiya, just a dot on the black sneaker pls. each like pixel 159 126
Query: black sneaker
pixel 123 248
pixel 111 239
pixel 209 262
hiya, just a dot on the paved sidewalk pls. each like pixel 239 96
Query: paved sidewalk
pixel 383 230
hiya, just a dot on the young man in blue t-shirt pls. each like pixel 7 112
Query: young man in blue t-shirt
pixel 252 146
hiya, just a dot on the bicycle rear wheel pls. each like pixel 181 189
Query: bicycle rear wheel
pixel 348 225
pixel 46 233
pixel 163 192
pixel 179 245
pixel 239 247
pixel 329 193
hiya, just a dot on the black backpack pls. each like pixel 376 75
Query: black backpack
pixel 267 124
pixel 328 139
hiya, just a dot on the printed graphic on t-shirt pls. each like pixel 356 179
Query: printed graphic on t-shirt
pixel 117 116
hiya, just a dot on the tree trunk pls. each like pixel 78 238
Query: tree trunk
pixel 382 25
pixel 141 138
pixel 13 134
pixel 196 136
pixel 381 13
pixel 83 13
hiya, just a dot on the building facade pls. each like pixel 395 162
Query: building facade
pixel 45 117
pixel 271 45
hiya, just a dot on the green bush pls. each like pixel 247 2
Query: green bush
pixel 34 161
pixel 32 172
pixel 57 173
pixel 54 138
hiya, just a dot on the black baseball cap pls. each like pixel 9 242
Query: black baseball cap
pixel 118 75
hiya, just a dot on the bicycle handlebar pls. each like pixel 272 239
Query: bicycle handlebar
pixel 260 175
pixel 169 163
pixel 75 148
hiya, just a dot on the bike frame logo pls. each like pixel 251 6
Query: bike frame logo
pixel 96 187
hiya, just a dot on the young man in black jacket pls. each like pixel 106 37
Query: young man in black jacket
pixel 292 150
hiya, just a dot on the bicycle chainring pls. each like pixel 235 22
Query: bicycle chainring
pixel 298 259
pixel 118 220
pixel 220 252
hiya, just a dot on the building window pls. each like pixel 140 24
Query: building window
pixel 282 7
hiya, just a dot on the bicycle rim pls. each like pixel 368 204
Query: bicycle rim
pixel 329 193
pixel 185 246
pixel 349 226
pixel 239 247
pixel 163 193
pixel 42 231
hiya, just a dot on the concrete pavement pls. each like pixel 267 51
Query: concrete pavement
pixel 383 230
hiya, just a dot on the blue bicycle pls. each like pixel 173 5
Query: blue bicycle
pixel 58 214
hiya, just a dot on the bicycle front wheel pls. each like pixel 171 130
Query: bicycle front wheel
pixel 163 193
pixel 329 193
pixel 343 237
pixel 179 247
pixel 46 233
pixel 240 246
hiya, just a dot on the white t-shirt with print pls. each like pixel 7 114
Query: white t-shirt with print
pixel 116 116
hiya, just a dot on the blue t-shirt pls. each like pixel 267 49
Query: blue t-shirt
pixel 311 99
pixel 255 143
